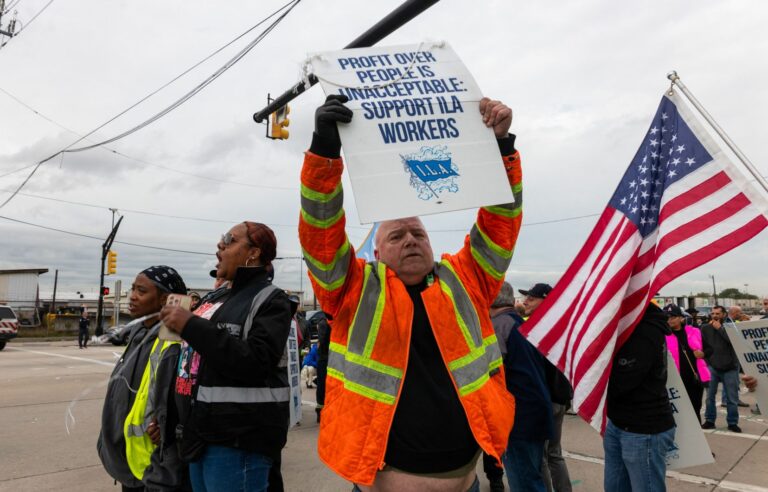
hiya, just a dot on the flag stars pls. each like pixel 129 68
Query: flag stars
pixel 634 210
pixel 644 194
pixel 643 170
pixel 624 201
pixel 671 174
pixel 690 161
pixel 654 142
pixel 643 182
pixel 664 117
pixel 642 221
pixel 680 149
pixel 654 130
pixel 632 183
pixel 654 155
pixel 674 138
pixel 675 161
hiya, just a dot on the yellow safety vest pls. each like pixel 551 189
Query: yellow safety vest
pixel 138 445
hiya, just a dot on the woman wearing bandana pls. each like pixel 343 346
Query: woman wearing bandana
pixel 138 422
pixel 232 388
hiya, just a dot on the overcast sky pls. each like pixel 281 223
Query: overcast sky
pixel 583 78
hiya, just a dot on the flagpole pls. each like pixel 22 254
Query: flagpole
pixel 675 79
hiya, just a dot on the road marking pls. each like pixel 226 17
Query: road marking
pixel 728 433
pixel 682 477
pixel 71 357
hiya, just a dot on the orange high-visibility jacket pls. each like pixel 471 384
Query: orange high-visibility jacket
pixel 372 316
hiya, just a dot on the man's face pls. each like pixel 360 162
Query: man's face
pixel 734 312
pixel 765 305
pixel 530 304
pixel 718 314
pixel 145 297
pixel 403 245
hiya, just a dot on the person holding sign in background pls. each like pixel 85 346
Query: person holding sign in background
pixel 685 345
pixel 415 386
pixel 723 368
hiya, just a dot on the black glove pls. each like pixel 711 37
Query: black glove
pixel 326 141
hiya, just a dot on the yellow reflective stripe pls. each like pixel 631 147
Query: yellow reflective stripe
pixel 510 213
pixel 318 196
pixel 382 271
pixel 360 389
pixel 459 319
pixel 330 276
pixel 365 361
pixel 516 188
pixel 473 354
pixel 493 258
pixel 322 223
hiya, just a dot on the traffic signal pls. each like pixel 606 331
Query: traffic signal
pixel 105 291
pixel 278 121
pixel 111 262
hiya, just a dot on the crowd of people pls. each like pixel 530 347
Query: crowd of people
pixel 420 366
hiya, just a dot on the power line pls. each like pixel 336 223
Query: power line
pixel 290 6
pixel 25 26
pixel 136 159
pixel 88 236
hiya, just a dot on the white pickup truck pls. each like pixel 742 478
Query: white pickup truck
pixel 9 325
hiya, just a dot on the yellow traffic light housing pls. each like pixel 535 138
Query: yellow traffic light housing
pixel 278 121
pixel 111 262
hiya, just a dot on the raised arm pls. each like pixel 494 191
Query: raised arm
pixel 491 241
pixel 324 241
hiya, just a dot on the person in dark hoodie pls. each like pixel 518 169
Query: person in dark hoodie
pixel 232 387
pixel 138 423
pixel 641 428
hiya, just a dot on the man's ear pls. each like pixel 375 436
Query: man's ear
pixel 163 299
pixel 376 254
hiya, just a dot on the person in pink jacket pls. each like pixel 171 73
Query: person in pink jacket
pixel 686 348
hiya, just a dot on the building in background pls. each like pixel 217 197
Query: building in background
pixel 19 289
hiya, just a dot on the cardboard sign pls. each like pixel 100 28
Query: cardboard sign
pixel 294 378
pixel 691 447
pixel 184 302
pixel 417 143
pixel 750 341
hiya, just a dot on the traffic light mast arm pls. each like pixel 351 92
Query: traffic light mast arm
pixel 386 26
pixel 104 250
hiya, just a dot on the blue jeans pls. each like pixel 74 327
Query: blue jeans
pixel 730 380
pixel 223 469
pixel 522 464
pixel 635 462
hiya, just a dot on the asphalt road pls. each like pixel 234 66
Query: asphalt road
pixel 51 395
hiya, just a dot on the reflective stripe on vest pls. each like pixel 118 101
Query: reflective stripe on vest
pixel 491 257
pixel 138 445
pixel 367 377
pixel 233 394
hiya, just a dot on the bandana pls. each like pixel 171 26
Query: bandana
pixel 166 279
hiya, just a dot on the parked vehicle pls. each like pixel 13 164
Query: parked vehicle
pixel 9 325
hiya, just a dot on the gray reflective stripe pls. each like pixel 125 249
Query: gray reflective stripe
pixel 366 309
pixel 477 368
pixel 337 271
pixel 364 376
pixel 323 210
pixel 463 304
pixel 226 394
pixel 258 300
pixel 498 262
pixel 154 361
pixel 137 430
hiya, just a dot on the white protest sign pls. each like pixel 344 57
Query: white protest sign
pixel 750 341
pixel 691 447
pixel 417 143
pixel 294 379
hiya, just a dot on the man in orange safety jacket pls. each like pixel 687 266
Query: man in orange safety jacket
pixel 415 388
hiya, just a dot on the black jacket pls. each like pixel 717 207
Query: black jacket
pixel 637 388
pixel 241 394
pixel 717 348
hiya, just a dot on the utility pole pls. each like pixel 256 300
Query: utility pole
pixel 714 289
pixel 104 250
pixel 11 29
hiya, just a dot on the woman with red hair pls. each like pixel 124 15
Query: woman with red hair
pixel 232 388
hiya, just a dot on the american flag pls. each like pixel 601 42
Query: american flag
pixel 680 204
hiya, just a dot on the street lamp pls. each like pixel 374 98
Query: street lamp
pixel 746 289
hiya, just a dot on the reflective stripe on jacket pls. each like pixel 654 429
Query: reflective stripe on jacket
pixel 372 315
pixel 138 445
